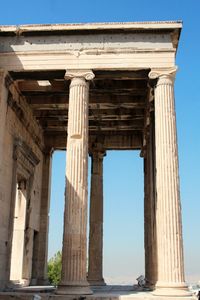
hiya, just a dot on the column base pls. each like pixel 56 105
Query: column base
pixel 43 282
pixel 97 282
pixel 67 289
pixel 3 285
pixel 150 285
pixel 172 290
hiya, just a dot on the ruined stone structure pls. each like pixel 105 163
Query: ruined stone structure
pixel 87 88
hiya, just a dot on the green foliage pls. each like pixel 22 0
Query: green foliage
pixel 54 269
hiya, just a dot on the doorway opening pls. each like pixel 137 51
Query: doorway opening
pixel 17 251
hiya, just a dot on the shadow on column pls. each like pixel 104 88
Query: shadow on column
pixel 74 255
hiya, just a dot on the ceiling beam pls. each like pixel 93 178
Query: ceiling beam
pixel 139 122
pixel 118 112
pixel 59 74
pixel 48 99
pixel 128 141
pixel 96 86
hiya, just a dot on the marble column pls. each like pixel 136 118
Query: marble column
pixel 42 254
pixel 74 253
pixel 149 211
pixel 147 221
pixel 95 269
pixel 152 195
pixel 170 264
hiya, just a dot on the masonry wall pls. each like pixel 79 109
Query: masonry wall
pixel 11 128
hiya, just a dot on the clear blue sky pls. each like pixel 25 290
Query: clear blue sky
pixel 123 171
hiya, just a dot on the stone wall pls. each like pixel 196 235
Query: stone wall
pixel 11 128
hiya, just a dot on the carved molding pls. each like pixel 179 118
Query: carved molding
pixel 18 104
pixel 26 159
pixel 21 115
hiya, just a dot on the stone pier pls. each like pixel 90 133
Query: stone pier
pixel 41 277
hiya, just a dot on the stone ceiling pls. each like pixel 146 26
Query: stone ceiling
pixel 117 101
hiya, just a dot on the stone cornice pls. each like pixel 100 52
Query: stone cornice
pixel 147 25
pixel 173 27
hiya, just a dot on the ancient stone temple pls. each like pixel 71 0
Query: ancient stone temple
pixel 86 88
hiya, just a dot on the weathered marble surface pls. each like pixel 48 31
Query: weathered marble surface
pixel 121 56
pixel 74 253
pixel 100 293
pixel 95 266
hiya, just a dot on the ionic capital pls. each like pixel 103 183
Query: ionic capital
pixel 163 76
pixel 97 150
pixel 81 74
pixel 48 151
pixel 98 154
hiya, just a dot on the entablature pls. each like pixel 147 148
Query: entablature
pixel 103 46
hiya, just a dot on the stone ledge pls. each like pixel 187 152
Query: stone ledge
pixel 47 296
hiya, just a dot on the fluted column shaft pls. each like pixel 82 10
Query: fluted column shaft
pixel 95 269
pixel 147 224
pixel 170 265
pixel 42 257
pixel 149 211
pixel 73 277
pixel 152 192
